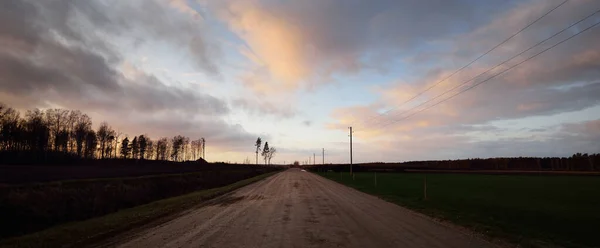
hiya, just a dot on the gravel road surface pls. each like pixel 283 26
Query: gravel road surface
pixel 300 209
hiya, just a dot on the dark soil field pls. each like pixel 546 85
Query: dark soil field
pixel 532 211
pixel 19 174
pixel 89 191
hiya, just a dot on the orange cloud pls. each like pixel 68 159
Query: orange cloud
pixel 274 41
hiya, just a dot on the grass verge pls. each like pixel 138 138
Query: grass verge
pixel 530 211
pixel 77 234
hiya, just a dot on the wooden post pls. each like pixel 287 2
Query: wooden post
pixel 376 179
pixel 425 187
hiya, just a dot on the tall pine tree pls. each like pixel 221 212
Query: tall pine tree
pixel 125 149
pixel 135 148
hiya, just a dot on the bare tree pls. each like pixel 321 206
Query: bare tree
pixel 271 153
pixel 185 148
pixel 72 120
pixel 105 136
pixel 109 146
pixel 177 144
pixel 117 135
pixel 10 128
pixel 162 149
pixel 57 119
pixel 194 149
pixel 91 144
pixel 203 148
pixel 143 143
pixel 83 126
pixel 37 131
pixel 150 149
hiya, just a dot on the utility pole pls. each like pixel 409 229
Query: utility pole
pixel 204 149
pixel 323 156
pixel 314 159
pixel 350 150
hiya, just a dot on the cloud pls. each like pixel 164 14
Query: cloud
pixel 587 128
pixel 183 6
pixel 303 44
pixel 564 79
pixel 49 58
pixel 261 107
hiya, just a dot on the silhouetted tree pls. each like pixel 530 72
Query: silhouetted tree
pixel 150 148
pixel 257 144
pixel 91 144
pixel 11 129
pixel 143 146
pixel 74 117
pixel 83 126
pixel 109 146
pixel 161 149
pixel 271 153
pixel 135 148
pixel 177 147
pixel 194 149
pixel 265 152
pixel 116 141
pixel 61 140
pixel 104 134
pixel 125 149
pixel 203 150
pixel 186 148
pixel 57 119
pixel 38 133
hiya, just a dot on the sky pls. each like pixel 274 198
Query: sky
pixel 299 73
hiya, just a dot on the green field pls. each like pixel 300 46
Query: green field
pixel 527 210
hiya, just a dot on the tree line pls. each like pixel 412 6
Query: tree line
pixel 47 134
pixel 267 152
pixel 576 162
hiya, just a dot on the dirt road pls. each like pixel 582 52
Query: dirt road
pixel 300 209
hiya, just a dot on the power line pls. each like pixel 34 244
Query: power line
pixel 470 63
pixel 519 54
pixel 502 72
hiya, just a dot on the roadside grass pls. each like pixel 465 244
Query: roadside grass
pixel 77 234
pixel 531 211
